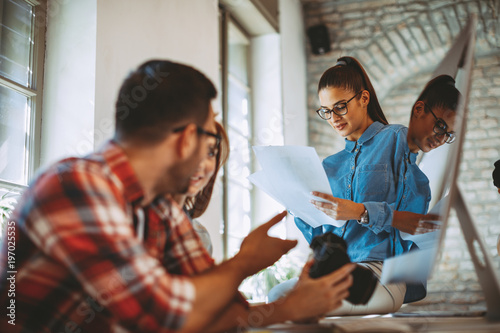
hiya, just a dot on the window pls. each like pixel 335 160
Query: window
pixel 237 121
pixel 251 96
pixel 22 27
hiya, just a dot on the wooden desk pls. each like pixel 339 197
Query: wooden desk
pixel 389 323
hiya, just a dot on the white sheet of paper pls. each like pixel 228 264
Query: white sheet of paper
pixel 259 179
pixel 414 266
pixel 289 174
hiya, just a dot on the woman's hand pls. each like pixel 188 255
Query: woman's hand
pixel 336 208
pixel 415 224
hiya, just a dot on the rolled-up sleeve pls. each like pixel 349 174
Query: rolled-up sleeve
pixel 379 215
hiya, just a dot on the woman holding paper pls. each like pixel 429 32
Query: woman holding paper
pixel 431 125
pixel 372 177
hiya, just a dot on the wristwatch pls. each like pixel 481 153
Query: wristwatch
pixel 364 218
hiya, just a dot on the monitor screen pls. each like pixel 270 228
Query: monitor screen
pixel 441 166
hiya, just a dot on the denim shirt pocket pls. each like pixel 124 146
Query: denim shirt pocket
pixel 418 197
pixel 373 180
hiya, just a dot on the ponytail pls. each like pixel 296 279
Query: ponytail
pixel 440 92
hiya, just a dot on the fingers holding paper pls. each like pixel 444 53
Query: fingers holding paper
pixel 428 223
pixel 336 208
pixel 416 224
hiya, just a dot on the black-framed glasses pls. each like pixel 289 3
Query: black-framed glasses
pixel 441 128
pixel 200 131
pixel 340 109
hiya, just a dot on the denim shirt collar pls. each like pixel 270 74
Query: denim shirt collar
pixel 413 157
pixel 366 136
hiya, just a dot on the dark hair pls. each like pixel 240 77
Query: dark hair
pixel 196 206
pixel 440 92
pixel 496 174
pixel 349 74
pixel 159 96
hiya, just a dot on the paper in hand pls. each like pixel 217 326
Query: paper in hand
pixel 289 174
pixel 415 266
pixel 430 239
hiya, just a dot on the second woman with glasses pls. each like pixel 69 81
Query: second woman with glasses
pixel 433 115
pixel 370 179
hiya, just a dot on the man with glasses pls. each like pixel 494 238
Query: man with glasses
pixel 99 242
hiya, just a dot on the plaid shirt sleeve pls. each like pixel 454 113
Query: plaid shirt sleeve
pixel 79 218
pixel 184 253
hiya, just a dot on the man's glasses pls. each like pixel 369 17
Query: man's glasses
pixel 200 131
pixel 340 109
pixel 441 128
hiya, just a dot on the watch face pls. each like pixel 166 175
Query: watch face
pixel 364 217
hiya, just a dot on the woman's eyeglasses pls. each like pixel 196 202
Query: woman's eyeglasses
pixel 340 109
pixel 441 128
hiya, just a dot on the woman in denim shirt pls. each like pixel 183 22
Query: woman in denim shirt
pixel 374 176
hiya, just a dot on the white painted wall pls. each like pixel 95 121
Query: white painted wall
pixel 266 93
pixel 294 91
pixel 130 32
pixel 91 47
pixel 69 80
pixel 294 72
pixel 267 116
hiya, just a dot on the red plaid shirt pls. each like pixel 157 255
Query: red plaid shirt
pixel 88 258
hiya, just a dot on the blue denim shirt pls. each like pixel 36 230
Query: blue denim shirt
pixel 380 172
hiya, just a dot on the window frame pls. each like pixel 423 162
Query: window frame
pixel 34 93
pixel 226 20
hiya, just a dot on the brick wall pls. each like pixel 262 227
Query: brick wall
pixel 357 29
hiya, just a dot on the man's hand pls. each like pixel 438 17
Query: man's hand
pixel 258 250
pixel 311 298
pixel 336 208
pixel 416 224
pixel 216 288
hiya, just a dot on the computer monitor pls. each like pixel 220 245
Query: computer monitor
pixel 442 166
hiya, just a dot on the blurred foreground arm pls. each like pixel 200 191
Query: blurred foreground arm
pixel 310 299
pixel 216 288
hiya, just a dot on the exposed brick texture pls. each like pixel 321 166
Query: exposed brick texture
pixel 400 43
